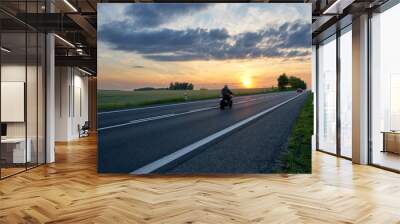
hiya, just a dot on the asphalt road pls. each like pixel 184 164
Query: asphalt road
pixel 253 149
pixel 131 139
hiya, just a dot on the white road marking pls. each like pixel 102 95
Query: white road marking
pixel 151 167
pixel 169 105
pixel 166 116
pixel 152 107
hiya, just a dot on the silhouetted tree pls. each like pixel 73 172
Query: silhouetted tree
pixel 297 83
pixel 144 89
pixel 283 81
pixel 181 86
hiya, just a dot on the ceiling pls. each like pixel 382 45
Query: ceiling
pixel 330 15
pixel 74 22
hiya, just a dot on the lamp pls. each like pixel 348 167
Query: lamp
pixel 64 40
pixel 70 5
pixel 337 7
pixel 5 50
pixel 84 71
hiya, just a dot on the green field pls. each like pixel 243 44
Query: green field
pixel 115 99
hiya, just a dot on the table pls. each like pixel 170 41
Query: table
pixel 391 141
pixel 13 150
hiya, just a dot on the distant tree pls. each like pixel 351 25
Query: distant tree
pixel 283 81
pixel 181 86
pixel 297 83
pixel 144 89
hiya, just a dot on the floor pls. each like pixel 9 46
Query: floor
pixel 70 191
pixel 10 171
pixel 387 159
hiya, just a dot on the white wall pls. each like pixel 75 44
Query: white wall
pixel 17 73
pixel 11 73
pixel 13 100
pixel 62 83
pixel 71 87
pixel 33 126
pixel 80 110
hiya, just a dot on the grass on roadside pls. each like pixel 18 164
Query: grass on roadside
pixel 297 158
pixel 114 99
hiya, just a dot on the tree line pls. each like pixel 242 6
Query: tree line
pixel 172 86
pixel 293 82
pixel 181 86
pixel 284 82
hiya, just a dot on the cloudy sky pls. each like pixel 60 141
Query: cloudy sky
pixel 242 45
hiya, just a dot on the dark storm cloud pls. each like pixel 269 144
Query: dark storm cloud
pixel 299 35
pixel 153 15
pixel 208 44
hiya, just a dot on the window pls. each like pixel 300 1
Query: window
pixel 346 92
pixel 327 95
pixel 385 89
pixel 22 86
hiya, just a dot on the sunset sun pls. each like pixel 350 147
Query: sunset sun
pixel 246 82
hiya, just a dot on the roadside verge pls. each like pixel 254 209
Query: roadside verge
pixel 297 157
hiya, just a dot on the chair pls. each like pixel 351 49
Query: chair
pixel 84 130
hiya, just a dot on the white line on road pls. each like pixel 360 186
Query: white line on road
pixel 166 116
pixel 152 107
pixel 168 105
pixel 151 167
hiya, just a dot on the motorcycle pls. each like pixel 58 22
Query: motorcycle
pixel 225 102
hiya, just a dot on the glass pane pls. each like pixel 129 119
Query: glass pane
pixel 13 87
pixel 23 82
pixel 346 93
pixel 314 90
pixel 31 99
pixel 41 98
pixel 327 96
pixel 385 113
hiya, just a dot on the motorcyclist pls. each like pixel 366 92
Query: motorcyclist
pixel 226 93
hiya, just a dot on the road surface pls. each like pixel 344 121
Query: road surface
pixel 197 137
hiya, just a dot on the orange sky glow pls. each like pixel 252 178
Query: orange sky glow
pixel 255 73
